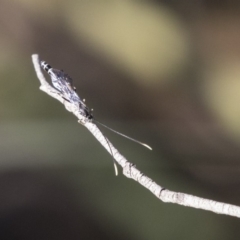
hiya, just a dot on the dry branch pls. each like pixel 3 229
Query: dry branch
pixel 129 169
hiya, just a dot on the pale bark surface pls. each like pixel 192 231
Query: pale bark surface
pixel 129 169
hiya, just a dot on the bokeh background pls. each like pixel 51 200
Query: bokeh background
pixel 164 72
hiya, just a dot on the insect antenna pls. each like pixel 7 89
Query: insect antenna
pixel 132 139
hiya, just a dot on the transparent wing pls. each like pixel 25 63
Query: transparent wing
pixel 62 82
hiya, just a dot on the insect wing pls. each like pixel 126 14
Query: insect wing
pixel 63 83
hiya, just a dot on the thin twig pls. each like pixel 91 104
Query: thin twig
pixel 129 169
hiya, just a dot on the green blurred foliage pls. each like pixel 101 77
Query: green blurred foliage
pixel 163 72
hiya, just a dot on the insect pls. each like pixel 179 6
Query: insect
pixel 64 84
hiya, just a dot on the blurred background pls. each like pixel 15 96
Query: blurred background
pixel 164 72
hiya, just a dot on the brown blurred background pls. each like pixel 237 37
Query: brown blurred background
pixel 164 72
